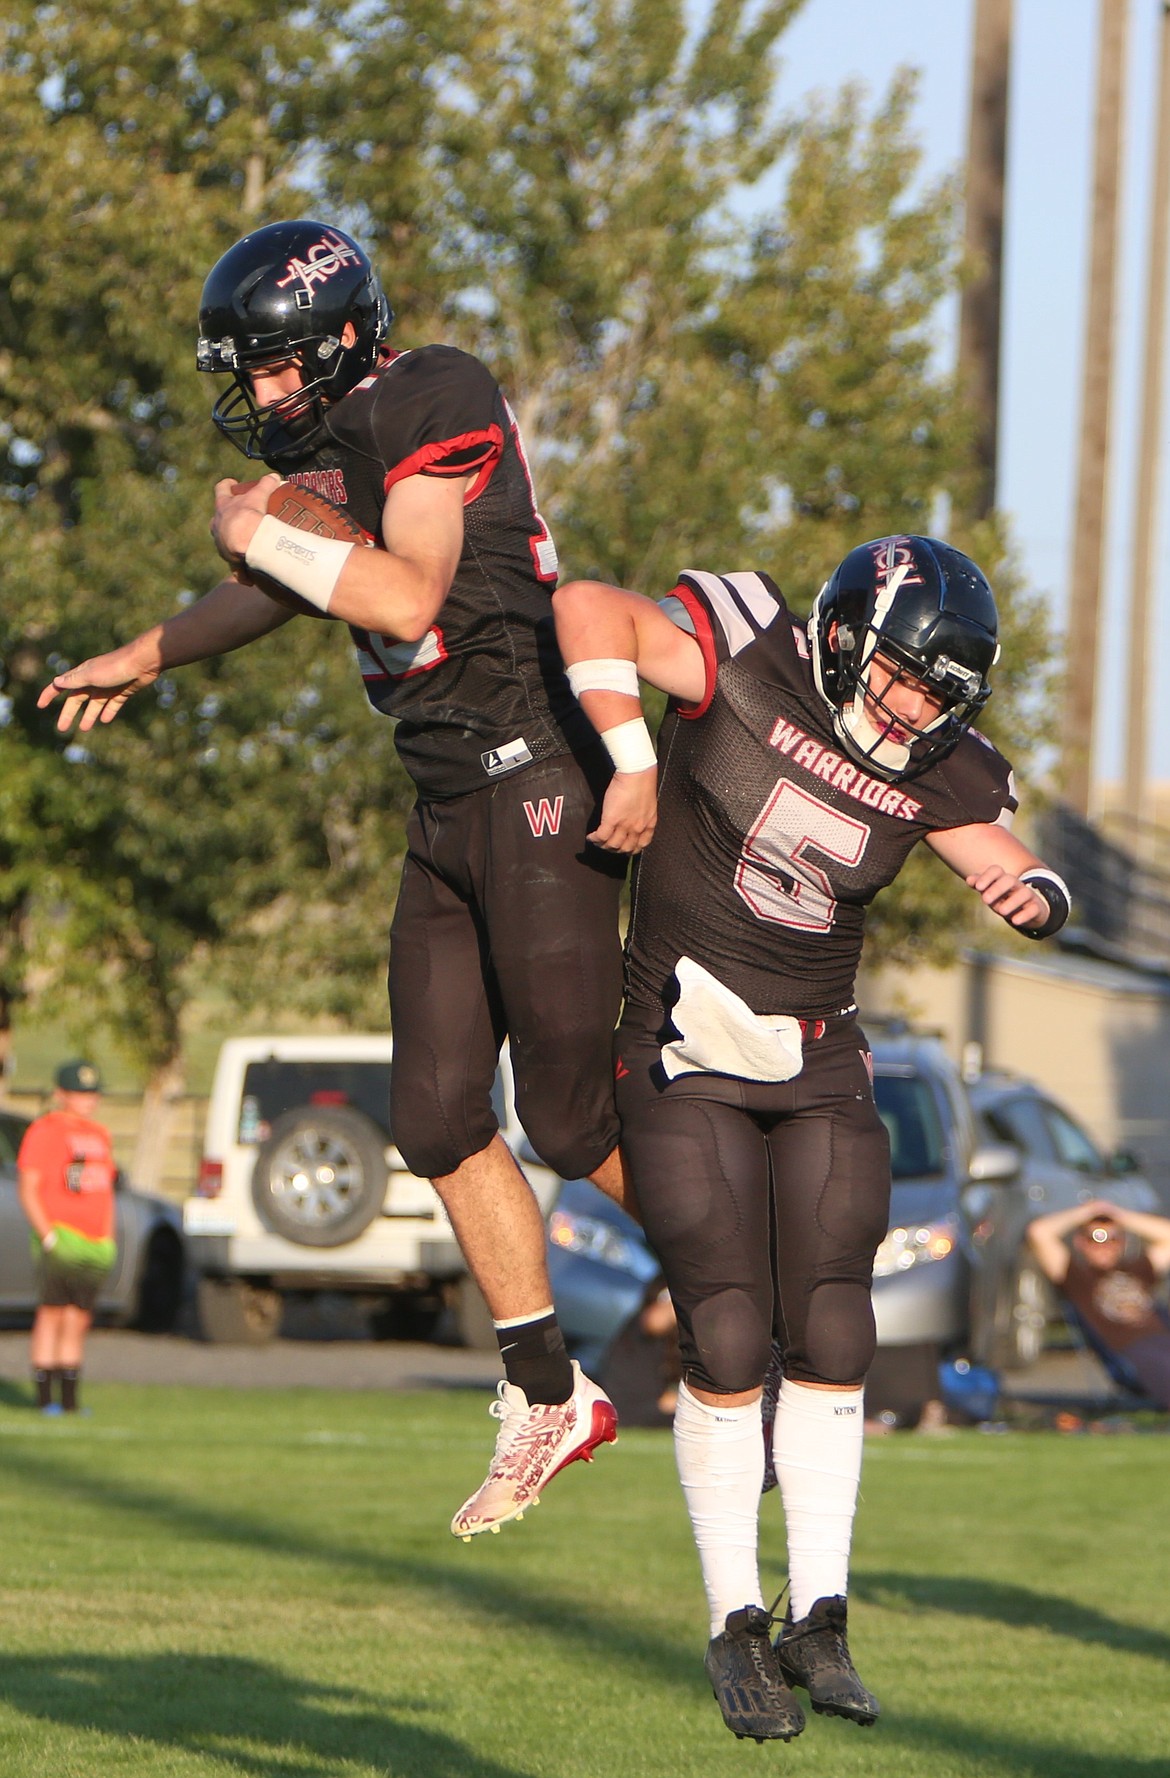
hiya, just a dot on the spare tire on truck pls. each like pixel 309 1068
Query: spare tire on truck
pixel 320 1178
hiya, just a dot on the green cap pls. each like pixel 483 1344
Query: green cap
pixel 78 1077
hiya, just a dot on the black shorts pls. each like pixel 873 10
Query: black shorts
pixel 507 926
pixel 765 1203
pixel 67 1283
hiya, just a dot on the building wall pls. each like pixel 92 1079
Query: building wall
pixel 1097 1037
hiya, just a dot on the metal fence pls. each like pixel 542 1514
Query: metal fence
pixel 1119 876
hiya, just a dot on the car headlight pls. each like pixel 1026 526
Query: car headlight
pixel 600 1241
pixel 916 1244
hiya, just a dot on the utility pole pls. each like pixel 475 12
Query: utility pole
pixel 1096 387
pixel 1149 442
pixel 982 300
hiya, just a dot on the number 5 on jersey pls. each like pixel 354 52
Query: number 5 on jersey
pixel 776 876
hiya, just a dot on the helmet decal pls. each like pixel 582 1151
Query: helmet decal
pixel 317 265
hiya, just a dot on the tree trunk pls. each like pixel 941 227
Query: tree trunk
pixel 159 1102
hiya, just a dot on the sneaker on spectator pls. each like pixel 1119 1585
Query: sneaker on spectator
pixel 532 1446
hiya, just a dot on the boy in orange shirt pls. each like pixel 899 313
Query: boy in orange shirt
pixel 67 1172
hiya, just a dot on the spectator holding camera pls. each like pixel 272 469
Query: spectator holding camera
pixel 67 1171
pixel 1111 1282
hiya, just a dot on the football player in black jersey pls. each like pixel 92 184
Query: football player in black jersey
pixel 798 767
pixel 506 922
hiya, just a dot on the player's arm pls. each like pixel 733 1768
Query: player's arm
pixel 228 617
pixel 28 1189
pixel 1046 1239
pixel 1153 1230
pixel 397 591
pixel 609 639
pixel 1012 881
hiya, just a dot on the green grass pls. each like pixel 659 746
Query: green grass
pixel 209 1582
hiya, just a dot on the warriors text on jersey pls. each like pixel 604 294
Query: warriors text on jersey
pixel 770 841
pixel 483 693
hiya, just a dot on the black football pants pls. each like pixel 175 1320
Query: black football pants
pixel 506 925
pixel 765 1203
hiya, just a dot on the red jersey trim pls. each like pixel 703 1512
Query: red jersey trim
pixel 428 459
pixel 705 637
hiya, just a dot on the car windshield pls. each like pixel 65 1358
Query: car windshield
pixel 907 1108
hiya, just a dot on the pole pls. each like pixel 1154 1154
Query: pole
pixel 1093 463
pixel 1145 493
pixel 982 300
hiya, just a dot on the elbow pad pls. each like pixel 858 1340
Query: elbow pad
pixel 1052 889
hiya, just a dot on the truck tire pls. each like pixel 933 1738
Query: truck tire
pixel 320 1179
pixel 1021 1318
pixel 233 1312
pixel 160 1286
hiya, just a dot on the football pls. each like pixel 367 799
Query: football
pixel 304 510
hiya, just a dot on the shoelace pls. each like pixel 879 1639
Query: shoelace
pixel 518 1440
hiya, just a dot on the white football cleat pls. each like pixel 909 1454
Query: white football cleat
pixel 532 1446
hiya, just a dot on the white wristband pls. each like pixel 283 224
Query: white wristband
pixel 629 746
pixel 304 563
pixel 49 1241
pixel 603 675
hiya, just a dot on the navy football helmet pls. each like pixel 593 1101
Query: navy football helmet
pixel 929 612
pixel 286 292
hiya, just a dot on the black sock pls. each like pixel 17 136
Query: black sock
pixel 43 1383
pixel 69 1381
pixel 535 1359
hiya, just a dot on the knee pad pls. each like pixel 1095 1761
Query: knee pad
pixel 732 1336
pixel 433 1138
pixel 839 1338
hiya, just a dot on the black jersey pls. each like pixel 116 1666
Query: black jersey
pixel 483 693
pixel 770 841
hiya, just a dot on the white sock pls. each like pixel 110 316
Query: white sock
pixel 817 1451
pixel 720 1457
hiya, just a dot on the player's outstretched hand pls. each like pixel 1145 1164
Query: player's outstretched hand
pixel 97 689
pixel 1006 896
pixel 239 507
pixel 629 812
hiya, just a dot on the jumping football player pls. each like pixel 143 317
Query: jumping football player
pixel 506 923
pixel 798 769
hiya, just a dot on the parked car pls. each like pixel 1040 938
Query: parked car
pixel 301 1189
pixel 146 1284
pixel 603 1273
pixel 1059 1165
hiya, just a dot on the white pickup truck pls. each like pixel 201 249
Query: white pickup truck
pixel 301 1189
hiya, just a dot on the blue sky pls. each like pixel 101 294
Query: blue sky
pixel 1050 150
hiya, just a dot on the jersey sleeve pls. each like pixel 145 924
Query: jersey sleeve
pixel 726 613
pixel 980 786
pixel 438 413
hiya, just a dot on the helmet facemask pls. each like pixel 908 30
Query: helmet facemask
pixel 874 661
pixel 291 427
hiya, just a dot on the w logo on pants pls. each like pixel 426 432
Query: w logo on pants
pixel 544 817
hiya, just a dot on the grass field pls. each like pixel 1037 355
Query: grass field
pixel 202 1582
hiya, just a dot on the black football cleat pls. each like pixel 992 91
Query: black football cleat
pixel 814 1654
pixel 746 1679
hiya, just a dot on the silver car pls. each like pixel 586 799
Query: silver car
pixel 146 1285
pixel 1058 1165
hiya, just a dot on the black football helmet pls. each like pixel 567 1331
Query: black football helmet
pixel 928 611
pixel 286 292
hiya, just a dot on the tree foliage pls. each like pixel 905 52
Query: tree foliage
pixel 558 185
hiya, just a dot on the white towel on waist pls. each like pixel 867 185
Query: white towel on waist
pixel 720 1034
